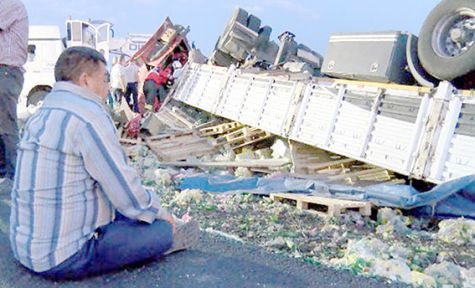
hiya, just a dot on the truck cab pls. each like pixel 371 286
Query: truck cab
pixel 99 35
pixel 44 47
pixel 46 43
pixel 94 34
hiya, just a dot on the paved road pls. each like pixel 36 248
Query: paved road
pixel 216 262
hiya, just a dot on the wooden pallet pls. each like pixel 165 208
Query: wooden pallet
pixel 220 129
pixel 241 142
pixel 335 207
pixel 243 132
pixel 310 160
pixel 244 136
pixel 375 174
pixel 180 146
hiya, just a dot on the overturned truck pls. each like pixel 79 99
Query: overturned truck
pixel 423 133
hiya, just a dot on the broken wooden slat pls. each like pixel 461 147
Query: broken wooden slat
pixel 180 116
pixel 124 112
pixel 170 136
pixel 356 173
pixel 329 165
pixel 172 120
pixel 255 163
pixel 306 159
pixel 180 146
pixel 382 175
pixel 213 122
pixel 130 141
pixel 220 129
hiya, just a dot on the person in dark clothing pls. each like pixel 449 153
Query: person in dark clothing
pixel 155 86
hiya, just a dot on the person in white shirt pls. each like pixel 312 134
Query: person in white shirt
pixel 118 84
pixel 131 75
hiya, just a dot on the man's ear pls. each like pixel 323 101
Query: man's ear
pixel 83 79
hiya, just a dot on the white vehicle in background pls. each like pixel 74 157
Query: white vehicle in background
pixel 45 44
pixel 94 34
pixel 99 35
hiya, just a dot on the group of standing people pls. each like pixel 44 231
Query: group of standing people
pixel 125 84
pixel 77 207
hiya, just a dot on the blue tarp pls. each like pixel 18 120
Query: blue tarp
pixel 454 198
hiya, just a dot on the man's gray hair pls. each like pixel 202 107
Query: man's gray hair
pixel 77 60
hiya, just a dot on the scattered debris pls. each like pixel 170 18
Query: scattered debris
pixel 391 222
pixel 188 195
pixel 458 231
pixel 445 273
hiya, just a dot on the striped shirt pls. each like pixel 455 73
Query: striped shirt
pixel 71 176
pixel 13 33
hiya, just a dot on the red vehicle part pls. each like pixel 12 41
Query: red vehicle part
pixel 168 43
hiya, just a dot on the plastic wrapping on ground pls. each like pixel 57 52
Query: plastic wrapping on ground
pixel 454 198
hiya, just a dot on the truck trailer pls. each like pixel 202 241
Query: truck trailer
pixel 389 98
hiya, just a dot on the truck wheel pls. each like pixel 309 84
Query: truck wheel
pixel 446 45
pixel 36 97
pixel 253 23
pixel 239 15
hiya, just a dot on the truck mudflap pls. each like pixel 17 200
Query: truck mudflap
pixel 423 133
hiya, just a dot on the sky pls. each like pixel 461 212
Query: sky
pixel 312 21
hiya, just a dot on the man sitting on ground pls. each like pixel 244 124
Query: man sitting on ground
pixel 78 209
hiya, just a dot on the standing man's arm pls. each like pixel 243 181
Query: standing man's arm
pixel 9 14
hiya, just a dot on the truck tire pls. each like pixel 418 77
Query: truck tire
pixel 253 23
pixel 446 46
pixel 239 15
pixel 415 67
pixel 36 97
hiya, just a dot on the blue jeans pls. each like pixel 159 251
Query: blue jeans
pixel 132 90
pixel 118 93
pixel 11 83
pixel 110 100
pixel 121 243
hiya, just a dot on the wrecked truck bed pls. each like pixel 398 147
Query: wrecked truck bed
pixel 423 133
